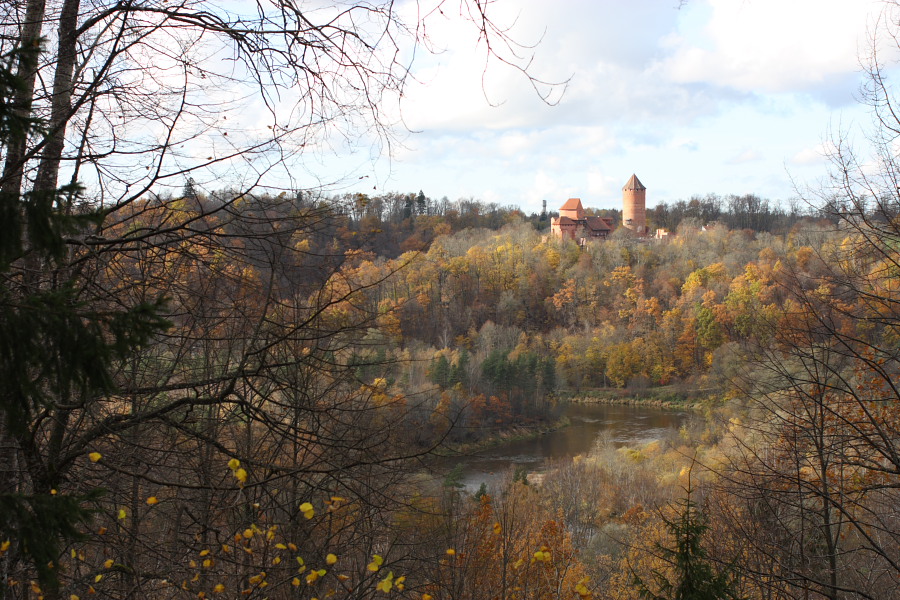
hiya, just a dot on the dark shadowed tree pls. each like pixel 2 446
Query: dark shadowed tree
pixel 190 355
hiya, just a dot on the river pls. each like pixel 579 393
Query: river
pixel 623 425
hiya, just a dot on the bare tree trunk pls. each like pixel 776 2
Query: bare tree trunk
pixel 61 101
pixel 26 71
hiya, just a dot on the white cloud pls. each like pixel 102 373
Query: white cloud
pixel 815 155
pixel 772 45
pixel 745 156
pixel 602 186
pixel 717 96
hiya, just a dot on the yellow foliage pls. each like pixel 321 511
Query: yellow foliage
pixel 387 583
pixel 376 563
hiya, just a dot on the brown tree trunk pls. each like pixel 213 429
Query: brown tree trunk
pixel 61 100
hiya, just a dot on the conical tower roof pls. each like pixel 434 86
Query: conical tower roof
pixel 634 184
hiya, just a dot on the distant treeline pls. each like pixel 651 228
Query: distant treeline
pixel 392 223
pixel 748 211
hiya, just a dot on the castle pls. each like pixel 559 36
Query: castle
pixel 573 224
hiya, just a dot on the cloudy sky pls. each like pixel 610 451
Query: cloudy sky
pixel 723 96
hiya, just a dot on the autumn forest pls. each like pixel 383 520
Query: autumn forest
pixel 241 391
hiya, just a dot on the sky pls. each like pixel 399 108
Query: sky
pixel 717 96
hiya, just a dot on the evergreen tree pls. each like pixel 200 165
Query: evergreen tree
pixel 459 369
pixel 56 349
pixel 439 371
pixel 421 203
pixel 190 189
pixel 695 576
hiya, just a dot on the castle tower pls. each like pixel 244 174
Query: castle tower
pixel 634 205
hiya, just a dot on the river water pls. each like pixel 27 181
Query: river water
pixel 623 425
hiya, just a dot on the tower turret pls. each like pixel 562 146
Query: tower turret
pixel 634 205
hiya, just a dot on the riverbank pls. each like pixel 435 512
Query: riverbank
pixel 536 449
pixel 518 433
pixel 656 397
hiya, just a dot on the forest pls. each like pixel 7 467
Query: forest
pixel 238 393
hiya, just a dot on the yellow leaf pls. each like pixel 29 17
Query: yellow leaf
pixel 276 560
pixel 295 581
pixel 376 563
pixel 330 559
pixel 152 500
pixel 312 577
pixel 233 464
pixel 451 552
pixel 387 583
pixel 427 597
pixel 219 588
pixel 207 563
pixel 281 546
pixel 73 597
pixel 98 578
pixel 204 553
pixel 122 514
pixel 73 553
pixel 108 564
pixel 240 475
pixel 248 533
pixel 307 509
pixel 95 456
pixel 497 528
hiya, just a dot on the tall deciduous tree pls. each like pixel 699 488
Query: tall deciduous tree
pixel 817 470
pixel 105 383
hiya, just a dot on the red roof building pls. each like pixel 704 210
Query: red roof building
pixel 574 225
